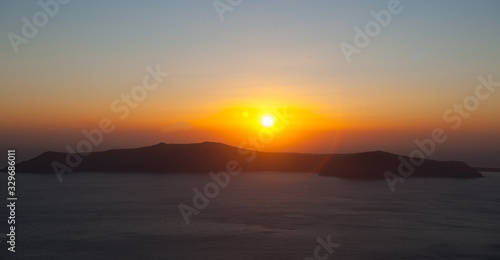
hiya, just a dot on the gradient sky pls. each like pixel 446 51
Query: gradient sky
pixel 264 55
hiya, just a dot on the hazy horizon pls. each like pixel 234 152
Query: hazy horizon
pixel 224 75
pixel 338 81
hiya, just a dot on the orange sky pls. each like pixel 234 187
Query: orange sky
pixel 224 76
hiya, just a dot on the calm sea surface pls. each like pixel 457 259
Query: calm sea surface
pixel 257 216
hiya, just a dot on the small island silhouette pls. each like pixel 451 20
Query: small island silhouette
pixel 209 156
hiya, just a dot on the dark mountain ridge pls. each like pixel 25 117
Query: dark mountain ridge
pixel 208 156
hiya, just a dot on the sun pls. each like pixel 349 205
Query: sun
pixel 267 121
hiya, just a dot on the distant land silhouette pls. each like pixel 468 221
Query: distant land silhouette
pixel 487 169
pixel 209 156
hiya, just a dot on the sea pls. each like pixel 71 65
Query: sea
pixel 256 215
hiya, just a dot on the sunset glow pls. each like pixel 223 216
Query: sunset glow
pixel 267 121
pixel 244 129
pixel 219 80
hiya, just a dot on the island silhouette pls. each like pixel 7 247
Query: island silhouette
pixel 212 157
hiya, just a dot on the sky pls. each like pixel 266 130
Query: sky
pixel 230 63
